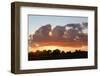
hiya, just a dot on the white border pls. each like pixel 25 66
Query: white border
pixel 25 64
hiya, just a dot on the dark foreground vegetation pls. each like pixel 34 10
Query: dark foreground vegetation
pixel 56 54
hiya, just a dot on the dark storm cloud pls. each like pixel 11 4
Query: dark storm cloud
pixel 76 32
pixel 85 24
pixel 60 34
pixel 71 34
pixel 42 33
pixel 75 26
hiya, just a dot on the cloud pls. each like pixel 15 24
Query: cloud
pixel 58 32
pixel 42 33
pixel 71 35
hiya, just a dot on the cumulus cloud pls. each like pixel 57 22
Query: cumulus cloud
pixel 58 32
pixel 68 35
pixel 42 33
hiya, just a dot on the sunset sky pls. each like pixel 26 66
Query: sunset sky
pixel 57 32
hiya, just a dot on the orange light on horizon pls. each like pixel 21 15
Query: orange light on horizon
pixel 72 49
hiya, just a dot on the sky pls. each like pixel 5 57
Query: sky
pixel 51 32
pixel 36 21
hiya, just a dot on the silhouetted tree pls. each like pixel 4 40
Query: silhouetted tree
pixel 57 51
pixel 49 51
pixel 63 53
pixel 56 54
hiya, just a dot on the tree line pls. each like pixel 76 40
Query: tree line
pixel 56 54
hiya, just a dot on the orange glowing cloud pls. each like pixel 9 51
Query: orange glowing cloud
pixel 68 37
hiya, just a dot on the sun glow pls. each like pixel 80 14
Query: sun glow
pixel 50 33
pixel 72 49
pixel 50 47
